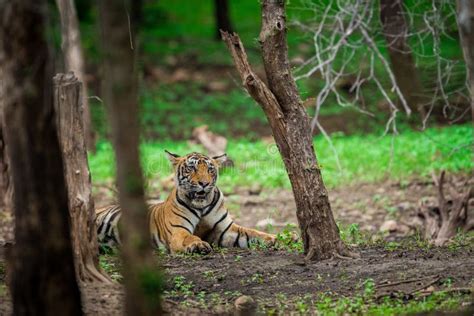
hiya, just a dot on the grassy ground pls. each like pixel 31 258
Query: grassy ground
pixel 363 158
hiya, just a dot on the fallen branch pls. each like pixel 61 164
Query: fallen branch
pixel 214 144
pixel 402 282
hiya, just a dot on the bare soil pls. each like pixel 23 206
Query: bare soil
pixel 282 272
pixel 401 273
pixel 262 274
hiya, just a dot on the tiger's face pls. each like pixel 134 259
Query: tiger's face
pixel 196 174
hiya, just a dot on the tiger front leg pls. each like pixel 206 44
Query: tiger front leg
pixel 182 241
pixel 241 237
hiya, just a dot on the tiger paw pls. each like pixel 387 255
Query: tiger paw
pixel 198 246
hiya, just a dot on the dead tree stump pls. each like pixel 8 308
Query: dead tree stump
pixel 444 220
pixel 74 61
pixel 69 116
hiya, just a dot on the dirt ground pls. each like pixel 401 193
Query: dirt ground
pixel 281 272
pixel 210 284
pixel 398 273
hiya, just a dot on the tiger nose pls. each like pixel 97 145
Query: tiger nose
pixel 203 184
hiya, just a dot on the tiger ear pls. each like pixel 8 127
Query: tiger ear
pixel 220 159
pixel 172 157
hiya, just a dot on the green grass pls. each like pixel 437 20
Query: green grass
pixel 365 305
pixel 363 158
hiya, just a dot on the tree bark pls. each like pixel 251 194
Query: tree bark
pixel 223 22
pixel 6 188
pixel 465 20
pixel 69 110
pixel 74 60
pixel 43 281
pixel 291 129
pixel 395 31
pixel 141 276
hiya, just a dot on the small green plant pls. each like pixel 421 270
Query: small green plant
pixel 183 288
pixel 220 250
pixel 282 301
pixel 369 288
pixel 461 240
pixel 257 278
pixel 392 246
pixel 352 234
pixel 110 263
pixel 256 244
pixel 215 299
pixel 209 275
pixel 286 240
pixel 391 210
pixel 448 282
pixel 201 298
pixel 302 306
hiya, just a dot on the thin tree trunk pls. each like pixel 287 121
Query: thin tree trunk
pixel 43 281
pixel 68 106
pixel 291 130
pixel 223 22
pixel 395 31
pixel 141 273
pixel 74 60
pixel 465 20
pixel 6 188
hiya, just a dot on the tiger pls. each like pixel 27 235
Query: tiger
pixel 194 215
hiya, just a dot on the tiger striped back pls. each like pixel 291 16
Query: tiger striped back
pixel 106 220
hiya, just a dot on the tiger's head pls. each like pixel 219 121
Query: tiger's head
pixel 196 174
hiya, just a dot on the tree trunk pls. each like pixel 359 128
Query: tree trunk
pixel 67 102
pixel 395 31
pixel 465 19
pixel 221 11
pixel 74 60
pixel 6 188
pixel 291 130
pixel 43 281
pixel 141 275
